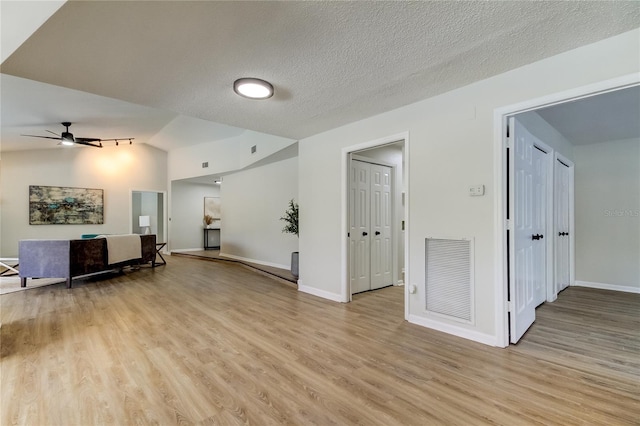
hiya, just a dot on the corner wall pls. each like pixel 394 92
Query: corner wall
pixel 253 201
pixel 116 170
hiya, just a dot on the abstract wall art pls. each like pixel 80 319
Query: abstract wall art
pixel 58 205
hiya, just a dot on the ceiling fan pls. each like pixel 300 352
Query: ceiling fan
pixel 67 138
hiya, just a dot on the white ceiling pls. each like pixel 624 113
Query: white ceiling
pixel 607 117
pixel 138 67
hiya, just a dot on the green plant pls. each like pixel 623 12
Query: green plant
pixel 291 218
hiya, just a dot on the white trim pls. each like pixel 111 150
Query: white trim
pixel 258 262
pixel 321 293
pixel 463 332
pixel 602 286
pixel 187 249
pixel 500 180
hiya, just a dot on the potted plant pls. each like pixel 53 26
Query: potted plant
pixel 291 227
pixel 208 220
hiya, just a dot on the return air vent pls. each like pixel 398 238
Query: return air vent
pixel 449 278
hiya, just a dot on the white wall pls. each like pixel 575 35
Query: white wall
pixel 549 135
pixel 116 170
pixel 607 203
pixel 451 146
pixel 223 156
pixel 187 213
pixel 253 201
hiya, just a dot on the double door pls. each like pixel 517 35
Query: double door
pixel 534 196
pixel 370 220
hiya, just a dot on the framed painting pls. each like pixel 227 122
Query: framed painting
pixel 59 205
pixel 212 207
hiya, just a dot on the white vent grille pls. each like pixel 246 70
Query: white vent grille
pixel 449 283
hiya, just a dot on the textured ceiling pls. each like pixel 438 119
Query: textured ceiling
pixel 331 62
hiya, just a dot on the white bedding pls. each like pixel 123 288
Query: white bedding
pixel 121 248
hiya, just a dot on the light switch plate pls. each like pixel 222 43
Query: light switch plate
pixel 476 190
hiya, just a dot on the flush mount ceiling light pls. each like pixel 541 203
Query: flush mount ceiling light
pixel 253 88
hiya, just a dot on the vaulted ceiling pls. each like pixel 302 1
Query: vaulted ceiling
pixel 138 68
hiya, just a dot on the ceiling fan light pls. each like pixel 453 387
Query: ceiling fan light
pixel 67 142
pixel 67 137
pixel 253 88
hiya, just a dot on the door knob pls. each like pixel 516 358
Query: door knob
pixel 537 236
pixel 377 232
pixel 364 234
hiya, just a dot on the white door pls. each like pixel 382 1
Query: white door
pixel 359 218
pixel 381 261
pixel 562 224
pixel 539 222
pixel 370 242
pixel 524 236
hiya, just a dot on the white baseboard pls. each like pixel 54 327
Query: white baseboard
pixel 602 286
pixel 321 293
pixel 259 262
pixel 455 330
pixel 187 249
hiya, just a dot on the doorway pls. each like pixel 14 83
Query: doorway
pixel 152 206
pixel 375 213
pixel 560 266
pixel 370 224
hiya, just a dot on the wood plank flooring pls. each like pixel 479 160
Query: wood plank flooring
pixel 209 343
pixel 284 275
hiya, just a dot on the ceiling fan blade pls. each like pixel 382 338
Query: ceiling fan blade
pixel 53 133
pixel 88 140
pixel 43 137
pixel 81 142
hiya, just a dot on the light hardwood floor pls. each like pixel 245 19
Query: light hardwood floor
pixel 198 342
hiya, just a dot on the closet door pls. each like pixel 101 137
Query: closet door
pixel 381 204
pixel 562 226
pixel 539 219
pixel 370 220
pixel 359 227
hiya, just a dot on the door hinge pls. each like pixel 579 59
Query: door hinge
pixel 509 306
